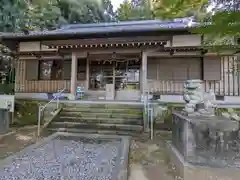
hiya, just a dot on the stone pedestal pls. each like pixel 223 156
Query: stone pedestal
pixel 204 147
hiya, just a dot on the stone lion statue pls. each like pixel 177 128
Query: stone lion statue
pixel 198 102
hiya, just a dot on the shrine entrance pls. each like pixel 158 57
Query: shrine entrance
pixel 117 78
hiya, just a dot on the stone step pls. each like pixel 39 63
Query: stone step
pixel 95 131
pixel 79 125
pixel 94 120
pixel 100 115
pixel 101 110
pixel 104 106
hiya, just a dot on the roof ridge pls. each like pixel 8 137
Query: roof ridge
pixel 111 24
pixel 126 23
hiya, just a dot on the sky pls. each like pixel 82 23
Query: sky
pixel 116 3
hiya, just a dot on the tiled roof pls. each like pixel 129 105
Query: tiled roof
pixel 118 27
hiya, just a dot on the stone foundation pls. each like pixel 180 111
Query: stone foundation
pixel 191 172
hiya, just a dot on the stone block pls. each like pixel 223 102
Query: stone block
pixel 192 172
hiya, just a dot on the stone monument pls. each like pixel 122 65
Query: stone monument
pixel 204 146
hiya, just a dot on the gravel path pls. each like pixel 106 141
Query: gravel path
pixel 144 156
pixel 65 160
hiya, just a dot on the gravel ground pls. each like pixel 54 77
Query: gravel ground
pixel 148 159
pixel 64 160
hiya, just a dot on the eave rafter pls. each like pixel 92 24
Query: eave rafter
pixel 185 48
pixel 107 45
pixel 174 50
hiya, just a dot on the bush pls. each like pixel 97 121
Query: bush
pixel 26 113
pixel 7 88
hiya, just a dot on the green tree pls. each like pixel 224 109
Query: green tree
pixel 18 15
pixel 125 12
pixel 225 20
pixel 142 9
pixel 35 15
pixel 85 11
pixel 135 10
pixel 170 9
pixel 222 17
pixel 40 15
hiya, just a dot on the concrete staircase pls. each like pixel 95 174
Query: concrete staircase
pixel 119 119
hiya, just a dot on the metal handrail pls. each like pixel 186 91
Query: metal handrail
pixel 151 122
pixel 41 108
pixel 146 108
pixel 149 112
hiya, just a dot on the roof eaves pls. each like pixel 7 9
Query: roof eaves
pixel 63 33
pixel 105 30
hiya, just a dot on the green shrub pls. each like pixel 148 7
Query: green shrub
pixel 7 88
pixel 26 113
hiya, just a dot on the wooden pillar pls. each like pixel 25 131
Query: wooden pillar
pixel 87 75
pixel 114 80
pixel 144 72
pixel 73 76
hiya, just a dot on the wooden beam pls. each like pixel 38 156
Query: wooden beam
pixel 158 54
pixel 34 53
pixel 154 50
pixel 177 56
pixel 91 58
pixel 117 51
pixel 41 58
